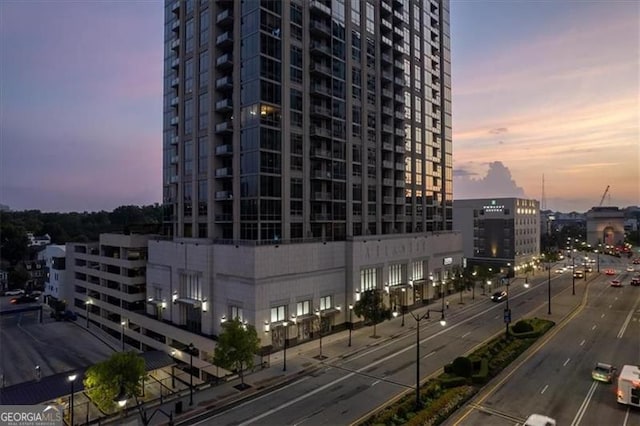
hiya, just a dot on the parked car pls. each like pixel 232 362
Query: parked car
pixel 23 299
pixel 13 292
pixel 616 283
pixel 499 296
pixel 603 372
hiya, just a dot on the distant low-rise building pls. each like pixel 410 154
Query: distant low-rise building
pixel 38 240
pixel 498 230
pixel 4 280
pixel 54 257
pixel 37 275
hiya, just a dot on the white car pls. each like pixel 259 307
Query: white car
pixel 14 292
pixel 630 268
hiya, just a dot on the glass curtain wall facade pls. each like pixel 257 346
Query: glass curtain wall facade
pixel 314 119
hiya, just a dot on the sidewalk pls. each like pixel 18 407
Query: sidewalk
pixel 301 359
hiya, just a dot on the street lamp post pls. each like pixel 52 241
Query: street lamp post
pixel 122 323
pixel 598 261
pixel 549 285
pixel 507 317
pixel 573 269
pixel 350 323
pixel 319 313
pixel 404 297
pixel 191 348
pixel 72 379
pixel 285 324
pixel 419 318
pixel 87 303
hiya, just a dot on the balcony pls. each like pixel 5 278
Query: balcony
pixel 224 83
pixel 387 218
pixel 398 33
pixel 399 81
pixel 175 82
pixel 399 115
pixel 224 172
pixel 400 200
pixel 319 68
pixel 174 101
pixel 387 111
pixel 387 164
pixel 175 44
pixel 387 128
pixel 174 121
pixel 386 75
pixel 320 153
pixel 398 64
pixel 399 98
pixel 385 8
pixel 400 149
pixel 321 174
pixel 386 93
pixel 173 140
pixel 173 179
pixel 386 41
pixel 223 195
pixel 400 184
pixel 386 58
pixel 320 89
pixel 315 5
pixel 386 24
pixel 321 217
pixel 224 40
pixel 320 28
pixel 386 146
pixel 224 18
pixel 224 105
pixel 225 127
pixel 175 7
pixel 387 182
pixel 400 166
pixel 318 131
pixel 174 159
pixel 224 150
pixel 321 196
pixel 400 132
pixel 320 110
pixel 387 200
pixel 175 63
pixel 318 47
pixel 224 61
pixel 175 27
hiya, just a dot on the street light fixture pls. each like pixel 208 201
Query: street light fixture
pixel 285 324
pixel 507 312
pixel 191 348
pixel 71 378
pixel 350 323
pixel 598 261
pixel 419 318
pixel 573 272
pixel 122 398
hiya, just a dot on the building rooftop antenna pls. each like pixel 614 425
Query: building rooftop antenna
pixel 543 201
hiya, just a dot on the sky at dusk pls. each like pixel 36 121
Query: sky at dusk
pixel 539 87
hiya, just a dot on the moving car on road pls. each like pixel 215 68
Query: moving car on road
pixel 603 372
pixel 635 281
pixel 630 268
pixel 499 296
pixel 14 292
pixel 616 283
pixel 23 299
pixel 610 272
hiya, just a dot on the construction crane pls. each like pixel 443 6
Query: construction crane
pixel 606 191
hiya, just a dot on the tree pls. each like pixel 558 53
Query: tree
pixel 371 307
pixel 236 347
pixel 13 242
pixel 18 277
pixel 103 381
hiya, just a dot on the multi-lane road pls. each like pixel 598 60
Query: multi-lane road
pixel 555 379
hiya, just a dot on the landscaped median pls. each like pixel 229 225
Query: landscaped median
pixel 461 379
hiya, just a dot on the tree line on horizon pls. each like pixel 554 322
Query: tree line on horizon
pixel 70 227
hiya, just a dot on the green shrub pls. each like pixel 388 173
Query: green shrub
pixel 448 369
pixel 522 326
pixel 452 381
pixel 442 408
pixel 483 372
pixel 462 366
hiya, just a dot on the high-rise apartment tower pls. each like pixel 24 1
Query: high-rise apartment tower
pixel 298 119
pixel 307 159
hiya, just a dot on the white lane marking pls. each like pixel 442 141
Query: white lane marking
pixel 566 362
pixel 375 383
pixel 373 364
pixel 430 354
pixel 466 334
pixel 602 316
pixel 594 327
pixel 582 343
pixel 627 320
pixel 610 306
pixel 615 298
pixel 544 389
pixel 626 416
pixel 585 404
